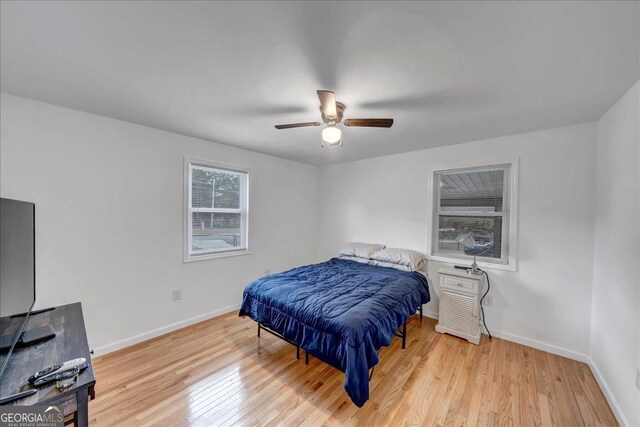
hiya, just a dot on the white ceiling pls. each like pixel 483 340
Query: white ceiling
pixel 447 72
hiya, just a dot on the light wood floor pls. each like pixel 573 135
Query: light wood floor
pixel 219 373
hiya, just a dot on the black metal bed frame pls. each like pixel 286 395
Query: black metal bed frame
pixel 402 335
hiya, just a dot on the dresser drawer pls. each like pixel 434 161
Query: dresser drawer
pixel 459 283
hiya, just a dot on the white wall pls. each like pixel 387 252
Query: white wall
pixel 615 323
pixel 109 217
pixel 547 302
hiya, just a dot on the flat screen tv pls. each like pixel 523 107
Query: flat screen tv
pixel 17 273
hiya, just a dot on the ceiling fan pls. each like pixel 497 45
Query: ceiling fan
pixel 332 112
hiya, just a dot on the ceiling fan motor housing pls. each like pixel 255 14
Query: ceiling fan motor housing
pixel 333 120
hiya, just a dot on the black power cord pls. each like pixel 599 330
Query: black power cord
pixel 481 307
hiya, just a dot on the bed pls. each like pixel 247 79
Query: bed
pixel 339 311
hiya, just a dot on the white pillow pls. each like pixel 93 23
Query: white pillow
pixel 414 260
pixel 361 250
pixel 391 265
pixel 356 259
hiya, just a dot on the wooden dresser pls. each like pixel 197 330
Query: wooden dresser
pixel 70 343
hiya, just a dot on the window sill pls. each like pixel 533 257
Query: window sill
pixel 511 266
pixel 215 255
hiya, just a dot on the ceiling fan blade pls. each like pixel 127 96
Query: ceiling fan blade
pixel 369 123
pixel 298 125
pixel 328 103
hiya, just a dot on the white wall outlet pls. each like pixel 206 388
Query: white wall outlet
pixel 267 272
pixel 638 378
pixel 488 301
pixel 177 294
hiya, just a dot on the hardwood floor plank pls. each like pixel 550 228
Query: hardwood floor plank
pixel 218 372
pixel 594 395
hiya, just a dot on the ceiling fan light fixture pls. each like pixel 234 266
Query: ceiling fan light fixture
pixel 332 112
pixel 332 135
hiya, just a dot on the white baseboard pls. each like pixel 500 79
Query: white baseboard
pixel 540 345
pixel 161 331
pixel 613 403
pixel 549 348
pixel 564 352
pixel 431 314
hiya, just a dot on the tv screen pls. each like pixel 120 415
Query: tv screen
pixel 17 271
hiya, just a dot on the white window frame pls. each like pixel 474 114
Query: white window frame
pixel 188 255
pixel 509 215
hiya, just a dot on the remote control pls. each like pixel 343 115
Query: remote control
pixel 66 383
pixel 60 376
pixel 56 369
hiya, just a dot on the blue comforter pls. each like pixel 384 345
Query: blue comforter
pixel 340 311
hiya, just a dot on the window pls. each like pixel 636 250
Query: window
pixel 216 214
pixel 476 203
